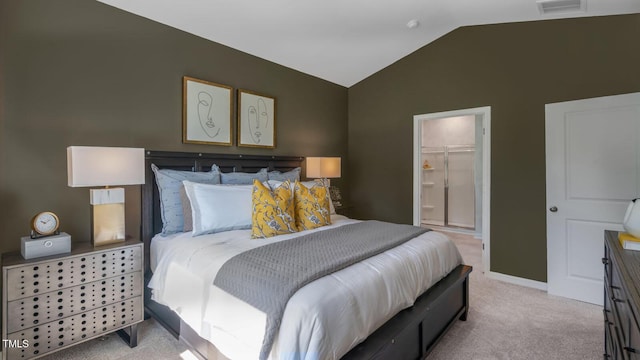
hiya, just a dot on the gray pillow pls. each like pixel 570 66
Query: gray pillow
pixel 186 210
pixel 240 178
pixel 169 183
pixel 293 175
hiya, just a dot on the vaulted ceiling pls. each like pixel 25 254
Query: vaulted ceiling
pixel 345 41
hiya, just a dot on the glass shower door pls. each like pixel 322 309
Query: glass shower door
pixel 448 186
pixel 461 198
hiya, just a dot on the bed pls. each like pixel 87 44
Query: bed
pixel 408 334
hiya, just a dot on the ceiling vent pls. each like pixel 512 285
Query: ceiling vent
pixel 561 6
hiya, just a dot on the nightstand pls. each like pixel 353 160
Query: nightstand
pixel 344 210
pixel 54 302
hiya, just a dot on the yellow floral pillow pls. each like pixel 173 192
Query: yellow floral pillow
pixel 311 206
pixel 273 210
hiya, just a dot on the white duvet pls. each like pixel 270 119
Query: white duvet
pixel 323 320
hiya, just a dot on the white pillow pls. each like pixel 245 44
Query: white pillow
pixel 275 183
pixel 217 208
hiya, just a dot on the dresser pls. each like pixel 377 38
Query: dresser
pixel 621 300
pixel 54 302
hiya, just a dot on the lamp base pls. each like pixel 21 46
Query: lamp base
pixel 107 216
pixel 108 224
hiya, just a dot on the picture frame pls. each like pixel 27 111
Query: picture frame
pixel 206 112
pixel 256 120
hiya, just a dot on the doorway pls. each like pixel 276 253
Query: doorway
pixel 449 165
pixel 451 170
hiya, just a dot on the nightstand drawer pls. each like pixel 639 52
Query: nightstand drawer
pixel 29 312
pixel 40 277
pixel 61 333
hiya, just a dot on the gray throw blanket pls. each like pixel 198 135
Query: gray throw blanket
pixel 267 276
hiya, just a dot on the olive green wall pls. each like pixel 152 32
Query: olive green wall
pixel 79 72
pixel 516 69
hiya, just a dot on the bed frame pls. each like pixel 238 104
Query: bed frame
pixel 411 334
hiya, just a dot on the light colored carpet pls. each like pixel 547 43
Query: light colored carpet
pixel 508 321
pixel 505 322
pixel 154 343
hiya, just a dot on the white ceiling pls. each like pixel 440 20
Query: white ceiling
pixel 342 41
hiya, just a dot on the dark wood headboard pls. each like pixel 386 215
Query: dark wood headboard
pixel 187 161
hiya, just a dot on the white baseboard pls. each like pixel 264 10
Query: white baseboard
pixel 517 280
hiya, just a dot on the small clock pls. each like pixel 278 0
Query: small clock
pixel 44 224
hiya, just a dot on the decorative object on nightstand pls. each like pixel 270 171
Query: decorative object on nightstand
pixel 336 197
pixel 60 301
pixel 44 224
pixel 45 238
pixel 105 166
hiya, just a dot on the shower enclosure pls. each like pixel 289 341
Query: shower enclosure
pixel 448 175
pixel 448 191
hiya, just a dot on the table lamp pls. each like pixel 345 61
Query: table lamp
pixel 323 168
pixel 89 166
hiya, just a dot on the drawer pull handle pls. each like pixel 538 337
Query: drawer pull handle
pixel 616 299
pixel 630 349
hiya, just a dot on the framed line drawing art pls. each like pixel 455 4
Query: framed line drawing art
pixel 206 112
pixel 256 120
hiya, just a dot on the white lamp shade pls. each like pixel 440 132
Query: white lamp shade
pixel 323 167
pixel 104 166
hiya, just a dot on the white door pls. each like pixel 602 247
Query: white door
pixel 592 157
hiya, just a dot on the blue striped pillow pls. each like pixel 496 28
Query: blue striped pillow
pixel 242 178
pixel 169 183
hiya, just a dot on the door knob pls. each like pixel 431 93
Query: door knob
pixel 553 209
